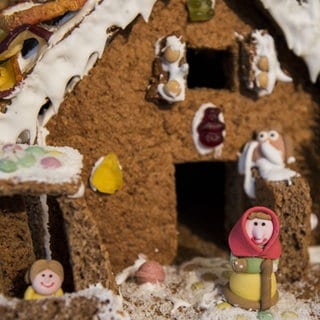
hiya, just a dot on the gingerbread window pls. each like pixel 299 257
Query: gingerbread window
pixel 210 68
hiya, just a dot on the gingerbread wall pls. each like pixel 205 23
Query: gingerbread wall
pixel 108 111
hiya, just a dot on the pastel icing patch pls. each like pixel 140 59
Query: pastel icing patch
pixel 289 315
pixel 50 163
pixel 265 315
pixel 27 160
pixel 37 150
pixel 7 165
pixel 22 163
pixel 106 175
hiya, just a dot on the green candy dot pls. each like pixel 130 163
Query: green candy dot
pixel 36 150
pixel 27 161
pixel 7 165
pixel 265 315
pixel 200 10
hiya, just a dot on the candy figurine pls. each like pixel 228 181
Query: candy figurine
pixel 46 277
pixel 269 152
pixel 255 251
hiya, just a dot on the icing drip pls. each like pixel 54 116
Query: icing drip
pixel 45 220
pixel 300 23
pixel 65 60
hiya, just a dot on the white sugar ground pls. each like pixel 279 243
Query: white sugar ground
pixel 192 291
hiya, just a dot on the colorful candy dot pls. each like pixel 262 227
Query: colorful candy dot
pixel 27 161
pixel 289 315
pixel 200 10
pixel 50 163
pixel 223 305
pixel 36 150
pixel 7 165
pixel 197 286
pixel 56 153
pixel 241 317
pixel 265 315
pixel 11 147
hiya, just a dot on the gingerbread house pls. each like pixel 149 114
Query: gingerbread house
pixel 124 105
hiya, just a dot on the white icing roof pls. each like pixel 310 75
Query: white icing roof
pixel 61 62
pixel 300 23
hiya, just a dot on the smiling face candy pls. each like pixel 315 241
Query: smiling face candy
pixel 46 277
pixel 46 282
pixel 259 228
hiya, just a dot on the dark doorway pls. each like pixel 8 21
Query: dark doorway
pixel 201 201
pixel 210 68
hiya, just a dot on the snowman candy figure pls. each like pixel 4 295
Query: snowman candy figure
pixel 255 251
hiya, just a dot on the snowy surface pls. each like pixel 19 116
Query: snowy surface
pixel 194 290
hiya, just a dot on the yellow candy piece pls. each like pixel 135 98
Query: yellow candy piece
pixel 241 317
pixel 106 176
pixel 56 153
pixel 224 305
pixel 289 315
pixel 7 76
pixel 197 285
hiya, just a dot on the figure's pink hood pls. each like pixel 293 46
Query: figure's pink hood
pixel 241 245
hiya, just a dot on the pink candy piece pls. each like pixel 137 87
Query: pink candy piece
pixel 11 147
pixel 150 271
pixel 50 163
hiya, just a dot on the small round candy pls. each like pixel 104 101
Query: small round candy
pixel 172 88
pixel 263 80
pixel 171 55
pixel 11 147
pixel 150 271
pixel 7 165
pixel 27 160
pixel 263 64
pixel 50 163
pixel 36 150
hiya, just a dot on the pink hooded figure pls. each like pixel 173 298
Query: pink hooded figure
pixel 255 251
